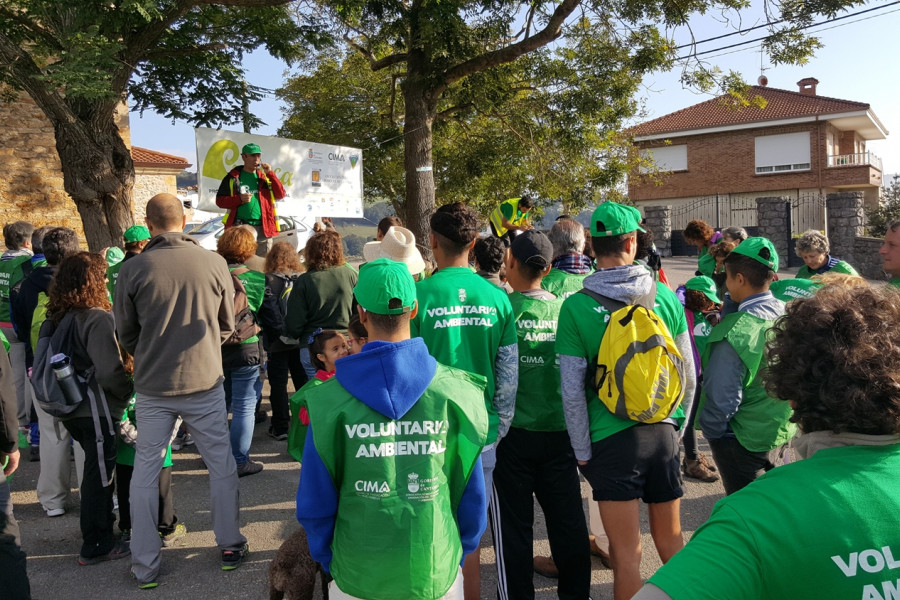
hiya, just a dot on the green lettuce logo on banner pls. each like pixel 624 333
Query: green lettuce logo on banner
pixel 221 157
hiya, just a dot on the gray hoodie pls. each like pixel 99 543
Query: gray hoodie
pixel 625 284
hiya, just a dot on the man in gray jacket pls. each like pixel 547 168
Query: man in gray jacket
pixel 174 307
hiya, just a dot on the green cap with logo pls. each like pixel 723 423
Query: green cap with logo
pixel 251 149
pixel 136 233
pixel 385 287
pixel 704 284
pixel 759 249
pixel 610 219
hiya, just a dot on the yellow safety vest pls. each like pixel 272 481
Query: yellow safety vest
pixel 517 219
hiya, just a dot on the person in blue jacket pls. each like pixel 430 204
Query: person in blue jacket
pixel 394 441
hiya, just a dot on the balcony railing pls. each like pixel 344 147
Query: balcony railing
pixel 862 158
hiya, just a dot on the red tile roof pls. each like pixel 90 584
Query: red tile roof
pixel 151 158
pixel 782 104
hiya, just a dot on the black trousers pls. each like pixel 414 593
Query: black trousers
pixel 690 434
pixel 282 364
pixel 97 518
pixel 540 464
pixel 167 518
pixel 738 466
pixel 13 577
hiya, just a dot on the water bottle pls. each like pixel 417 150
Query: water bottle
pixel 66 379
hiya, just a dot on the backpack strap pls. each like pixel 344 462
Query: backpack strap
pixel 648 300
pixel 97 396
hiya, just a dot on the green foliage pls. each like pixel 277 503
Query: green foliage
pixel 887 211
pixel 353 244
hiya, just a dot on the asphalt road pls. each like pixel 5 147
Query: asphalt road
pixel 191 571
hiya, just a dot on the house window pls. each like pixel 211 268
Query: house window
pixel 781 153
pixel 667 158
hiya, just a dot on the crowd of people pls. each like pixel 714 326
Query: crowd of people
pixel 433 399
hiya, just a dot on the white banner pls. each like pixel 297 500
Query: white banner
pixel 319 180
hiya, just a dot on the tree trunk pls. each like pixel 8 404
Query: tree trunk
pixel 98 173
pixel 421 108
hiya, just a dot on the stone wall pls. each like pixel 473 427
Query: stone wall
pixel 865 258
pixel 31 181
pixel 773 219
pixel 845 222
pixel 659 221
pixel 147 185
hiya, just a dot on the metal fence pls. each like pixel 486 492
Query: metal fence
pixel 807 212
pixel 721 210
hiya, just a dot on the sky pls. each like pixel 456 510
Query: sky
pixel 854 64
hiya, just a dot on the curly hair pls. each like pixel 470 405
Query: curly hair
pixel 812 241
pixel 489 252
pixel 836 358
pixel 722 249
pixel 283 258
pixel 80 282
pixel 324 250
pixel 699 231
pixel 236 245
pixel 696 301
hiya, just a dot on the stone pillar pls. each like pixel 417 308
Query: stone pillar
pixel 773 215
pixel 845 219
pixel 659 220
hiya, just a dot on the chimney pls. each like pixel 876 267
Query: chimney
pixel 808 86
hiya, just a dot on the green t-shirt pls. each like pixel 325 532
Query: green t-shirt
pixel 842 267
pixel 512 213
pixel 706 264
pixel 561 283
pixel 11 272
pixel 464 320
pixel 125 453
pixel 538 397
pixel 824 527
pixel 112 276
pixel 582 323
pixel 251 211
pixel 702 329
pixel 792 289
pixel 255 287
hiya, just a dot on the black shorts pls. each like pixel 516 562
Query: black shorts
pixel 642 461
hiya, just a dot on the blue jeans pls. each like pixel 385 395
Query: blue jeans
pixel 306 361
pixel 240 398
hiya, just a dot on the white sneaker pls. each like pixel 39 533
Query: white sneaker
pixel 56 512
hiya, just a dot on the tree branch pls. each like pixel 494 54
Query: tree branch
pixel 508 54
pixel 168 53
pixel 26 74
pixel 32 27
pixel 377 63
pixel 444 114
pixel 251 3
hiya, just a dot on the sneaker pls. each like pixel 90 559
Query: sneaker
pixel 249 468
pixel 145 585
pixel 119 550
pixel 278 435
pixel 126 536
pixel 169 539
pixel 34 453
pixel 232 559
pixel 695 469
pixel 55 512
pixel 182 440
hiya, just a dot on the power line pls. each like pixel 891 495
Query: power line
pixel 760 39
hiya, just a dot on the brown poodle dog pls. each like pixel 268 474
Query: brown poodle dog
pixel 292 574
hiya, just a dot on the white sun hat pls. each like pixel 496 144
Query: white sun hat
pixel 398 244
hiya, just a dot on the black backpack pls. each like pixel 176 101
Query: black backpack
pixel 53 340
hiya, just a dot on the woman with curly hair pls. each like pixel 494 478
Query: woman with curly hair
pixel 824 526
pixel 78 309
pixel 813 248
pixel 699 234
pixel 323 296
pixel 241 361
pixel 283 267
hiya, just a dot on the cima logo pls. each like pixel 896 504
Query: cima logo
pixel 379 487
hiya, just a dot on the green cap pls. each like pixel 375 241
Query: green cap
pixel 114 255
pixel 759 249
pixel 611 219
pixel 251 149
pixel 136 233
pixel 704 284
pixel 385 287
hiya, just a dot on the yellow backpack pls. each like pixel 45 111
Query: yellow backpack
pixel 639 370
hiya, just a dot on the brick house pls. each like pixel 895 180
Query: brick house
pixel 717 158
